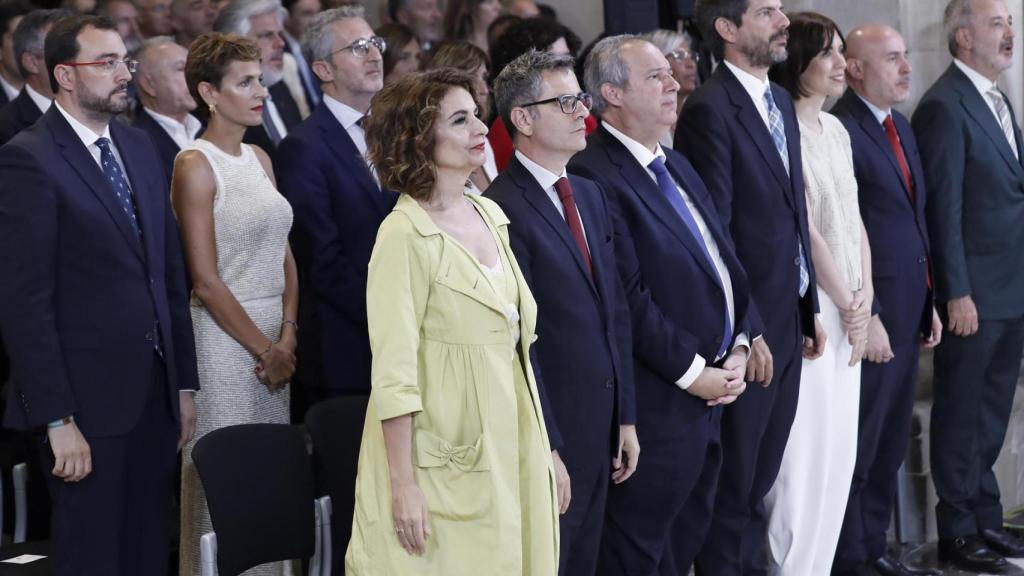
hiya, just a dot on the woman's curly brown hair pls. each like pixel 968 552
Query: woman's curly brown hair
pixel 400 129
pixel 209 57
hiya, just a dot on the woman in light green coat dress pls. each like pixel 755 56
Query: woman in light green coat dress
pixel 455 469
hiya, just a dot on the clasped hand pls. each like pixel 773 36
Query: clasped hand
pixel 855 319
pixel 276 366
pixel 722 385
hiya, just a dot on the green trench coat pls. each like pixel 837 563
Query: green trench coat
pixel 444 350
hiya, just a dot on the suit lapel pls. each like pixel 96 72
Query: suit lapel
pixel 541 202
pixel 876 133
pixel 978 109
pixel 342 147
pixel 83 163
pixel 149 209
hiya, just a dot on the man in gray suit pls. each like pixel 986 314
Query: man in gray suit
pixel 971 151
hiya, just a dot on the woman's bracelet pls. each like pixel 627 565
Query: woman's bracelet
pixel 270 344
pixel 293 323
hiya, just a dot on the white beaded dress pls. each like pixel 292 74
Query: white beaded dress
pixel 251 225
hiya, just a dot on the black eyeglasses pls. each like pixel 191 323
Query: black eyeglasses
pixel 683 55
pixel 569 103
pixel 361 47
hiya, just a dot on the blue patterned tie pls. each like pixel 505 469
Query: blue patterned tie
pixel 778 131
pixel 668 188
pixel 118 183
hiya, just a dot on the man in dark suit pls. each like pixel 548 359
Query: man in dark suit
pixel 688 299
pixel 300 14
pixel 166 106
pixel 891 191
pixel 35 96
pixel 561 234
pixel 11 12
pixel 971 150
pixel 338 204
pixel 741 133
pixel 94 310
pixel 261 21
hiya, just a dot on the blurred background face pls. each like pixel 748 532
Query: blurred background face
pixel 239 98
pixel 154 17
pixel 7 50
pixel 300 15
pixel 164 70
pixel 460 135
pixel 126 19
pixel 523 8
pixel 482 92
pixel 266 32
pixel 487 11
pixel 407 61
pixel 826 74
pixel 424 17
pixel 684 69
pixel 193 17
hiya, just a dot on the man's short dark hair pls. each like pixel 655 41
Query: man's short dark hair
pixel 530 33
pixel 11 9
pixel 707 12
pixel 62 41
pixel 27 37
pixel 394 6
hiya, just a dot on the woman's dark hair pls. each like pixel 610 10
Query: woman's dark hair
pixel 535 33
pixel 208 60
pixel 810 33
pixel 61 44
pixel 459 19
pixel 400 129
pixel 458 54
pixel 397 36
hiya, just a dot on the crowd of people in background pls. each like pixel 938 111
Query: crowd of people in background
pixel 637 307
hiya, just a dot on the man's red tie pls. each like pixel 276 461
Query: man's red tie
pixel 897 149
pixel 572 217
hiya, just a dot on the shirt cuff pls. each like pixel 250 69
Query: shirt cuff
pixel 692 373
pixel 742 340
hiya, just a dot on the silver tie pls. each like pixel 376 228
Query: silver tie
pixel 1003 113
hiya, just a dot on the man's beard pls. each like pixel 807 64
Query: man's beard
pixel 271 75
pixel 109 105
pixel 762 56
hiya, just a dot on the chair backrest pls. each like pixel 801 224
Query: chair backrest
pixel 336 426
pixel 259 489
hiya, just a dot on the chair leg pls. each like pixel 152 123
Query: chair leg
pixel 326 535
pixel 208 554
pixel 20 482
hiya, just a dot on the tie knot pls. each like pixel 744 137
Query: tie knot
pixel 563 188
pixel 658 166
pixel 995 94
pixel 769 99
pixel 102 143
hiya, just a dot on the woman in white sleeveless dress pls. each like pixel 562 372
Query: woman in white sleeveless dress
pixel 235 226
pixel 808 501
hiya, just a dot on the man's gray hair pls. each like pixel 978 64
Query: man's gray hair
pixel 605 66
pixel 519 82
pixel 668 40
pixel 957 16
pixel 147 45
pixel 28 37
pixel 318 41
pixel 235 17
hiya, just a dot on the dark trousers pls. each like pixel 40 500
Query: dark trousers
pixel 114 522
pixel 755 429
pixel 975 378
pixel 643 513
pixel 580 526
pixel 886 406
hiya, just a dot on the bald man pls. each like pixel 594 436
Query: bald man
pixel 891 190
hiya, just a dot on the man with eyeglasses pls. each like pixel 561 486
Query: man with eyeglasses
pixel 338 204
pixel 95 307
pixel 561 234
pixel 262 22
pixel 688 300
pixel 36 95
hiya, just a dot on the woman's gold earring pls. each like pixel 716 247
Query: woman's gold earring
pixel 212 108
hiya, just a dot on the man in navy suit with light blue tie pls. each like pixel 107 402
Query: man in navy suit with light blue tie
pixel 688 299
pixel 561 234
pixel 741 133
pixel 891 192
pixel 337 201
pixel 94 310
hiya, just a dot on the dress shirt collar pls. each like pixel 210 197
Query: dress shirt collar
pixel 346 115
pixel 980 82
pixel 191 126
pixel 752 84
pixel 542 175
pixel 8 88
pixel 877 112
pixel 638 150
pixel 41 102
pixel 85 134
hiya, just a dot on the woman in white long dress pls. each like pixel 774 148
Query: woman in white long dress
pixel 807 503
pixel 234 226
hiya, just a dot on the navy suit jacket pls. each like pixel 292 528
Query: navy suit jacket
pixel 338 208
pixel 166 147
pixel 20 114
pixel 976 198
pixel 584 350
pixel 722 133
pixel 896 227
pixel 81 296
pixel 674 297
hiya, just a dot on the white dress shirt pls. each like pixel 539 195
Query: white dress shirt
pixel 349 119
pixel 982 84
pixel 89 138
pixel 183 134
pixel 645 157
pixel 275 116
pixel 9 89
pixel 754 86
pixel 41 102
pixel 547 179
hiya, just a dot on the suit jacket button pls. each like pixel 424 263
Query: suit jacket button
pixel 796 261
pixel 922 260
pixel 149 337
pixel 609 383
